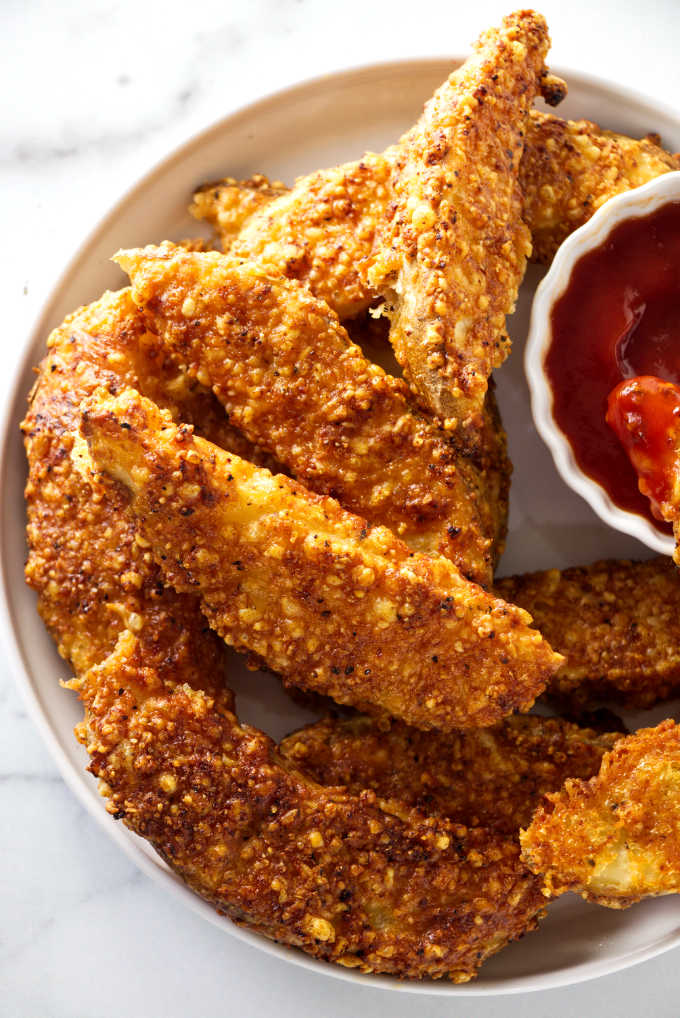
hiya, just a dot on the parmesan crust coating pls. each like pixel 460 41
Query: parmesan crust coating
pixel 616 622
pixel 490 777
pixel 330 604
pixel 487 468
pixel 370 885
pixel 93 575
pixel 229 205
pixel 340 876
pixel 318 233
pixel 616 838
pixel 441 213
pixel 451 260
pixel 567 171
pixel 291 380
pixel 571 168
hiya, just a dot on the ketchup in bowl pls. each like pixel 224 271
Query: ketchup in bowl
pixel 618 318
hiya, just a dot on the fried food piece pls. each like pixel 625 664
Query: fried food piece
pixel 317 233
pixel 230 204
pixel 616 838
pixel 453 240
pixel 346 878
pixel 572 167
pixel 90 571
pixel 451 259
pixel 330 604
pixel 567 171
pixel 290 379
pixel 491 777
pixel 402 894
pixel 616 622
pixel 488 466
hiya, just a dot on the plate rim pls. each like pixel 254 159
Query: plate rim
pixel 131 845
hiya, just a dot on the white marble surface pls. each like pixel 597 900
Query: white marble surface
pixel 93 94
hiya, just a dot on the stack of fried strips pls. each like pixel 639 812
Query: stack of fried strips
pixel 214 461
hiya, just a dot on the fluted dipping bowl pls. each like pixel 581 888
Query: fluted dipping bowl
pixel 314 124
pixel 630 205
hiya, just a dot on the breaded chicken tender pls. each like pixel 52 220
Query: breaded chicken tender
pixel 487 468
pixel 617 624
pixel 318 233
pixel 451 259
pixel 290 379
pixel 327 602
pixel 572 167
pixel 440 215
pixel 230 204
pixel 89 569
pixel 616 838
pixel 567 171
pixel 373 886
pixel 490 777
pixel 340 876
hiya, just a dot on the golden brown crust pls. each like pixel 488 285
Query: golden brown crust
pixel 317 233
pixel 567 170
pixel 229 204
pixel 452 257
pixel 328 603
pixel 381 892
pixel 616 622
pixel 570 168
pixel 487 467
pixel 491 777
pixel 91 573
pixel 289 378
pixel 616 838
pixel 371 886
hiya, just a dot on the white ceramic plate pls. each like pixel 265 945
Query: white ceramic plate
pixel 311 125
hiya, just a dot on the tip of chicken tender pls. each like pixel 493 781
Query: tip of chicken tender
pixel 615 838
pixel 229 204
pixel 450 261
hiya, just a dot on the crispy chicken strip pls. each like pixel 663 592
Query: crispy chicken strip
pixel 337 875
pixel 491 777
pixel 90 571
pixel 616 838
pixel 330 604
pixel 318 233
pixel 488 467
pixel 451 259
pixel 346 878
pixel 568 169
pixel 288 376
pixel 617 624
pixel 230 204
pixel 451 252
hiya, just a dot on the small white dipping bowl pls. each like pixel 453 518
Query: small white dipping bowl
pixel 631 205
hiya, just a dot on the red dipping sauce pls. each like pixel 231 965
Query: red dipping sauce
pixel 618 318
